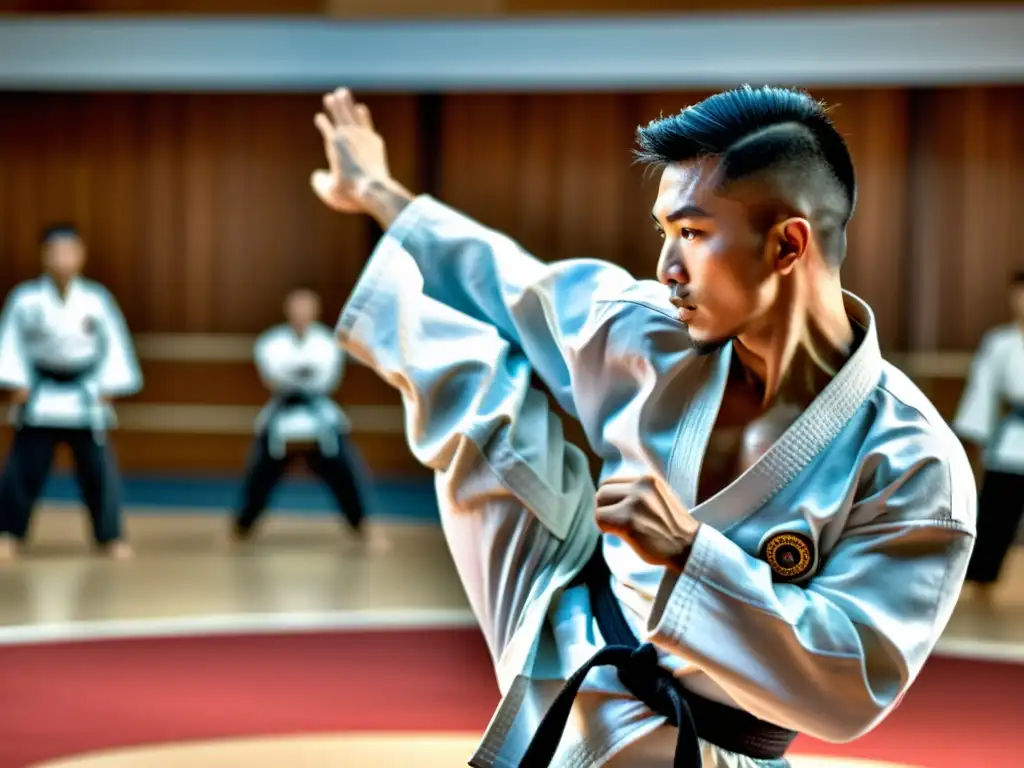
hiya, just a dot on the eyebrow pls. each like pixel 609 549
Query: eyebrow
pixel 686 212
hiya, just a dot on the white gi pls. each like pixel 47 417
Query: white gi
pixel 83 333
pixel 302 372
pixel 456 316
pixel 310 367
pixel 69 353
pixel 991 414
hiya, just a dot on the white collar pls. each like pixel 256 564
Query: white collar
pixel 826 416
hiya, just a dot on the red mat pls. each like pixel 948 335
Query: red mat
pixel 63 699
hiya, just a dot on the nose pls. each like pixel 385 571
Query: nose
pixel 670 267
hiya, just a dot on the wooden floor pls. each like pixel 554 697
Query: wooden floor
pixel 302 570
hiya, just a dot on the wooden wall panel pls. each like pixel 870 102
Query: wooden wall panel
pixel 237 383
pixel 554 171
pixel 196 209
pixel 967 182
pixel 199 217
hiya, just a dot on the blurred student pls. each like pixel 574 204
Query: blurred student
pixel 990 420
pixel 302 364
pixel 65 354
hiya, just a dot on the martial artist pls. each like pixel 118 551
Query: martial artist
pixel 66 354
pixel 301 363
pixel 991 420
pixel 742 604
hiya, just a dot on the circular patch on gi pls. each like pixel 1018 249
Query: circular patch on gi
pixel 89 326
pixel 790 555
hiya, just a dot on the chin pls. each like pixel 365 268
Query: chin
pixel 708 346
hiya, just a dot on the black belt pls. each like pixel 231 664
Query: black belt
pixel 62 376
pixel 293 399
pixel 726 727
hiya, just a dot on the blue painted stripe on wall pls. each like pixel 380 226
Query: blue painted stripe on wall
pixel 854 46
pixel 405 500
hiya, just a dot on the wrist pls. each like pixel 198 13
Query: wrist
pixel 384 200
pixel 681 558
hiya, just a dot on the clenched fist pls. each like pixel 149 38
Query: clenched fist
pixel 357 178
pixel 649 518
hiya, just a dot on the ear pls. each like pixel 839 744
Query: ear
pixel 793 240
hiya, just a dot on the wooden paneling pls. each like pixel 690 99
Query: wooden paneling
pixel 967 184
pixel 196 209
pixel 238 384
pixel 199 217
pixel 554 171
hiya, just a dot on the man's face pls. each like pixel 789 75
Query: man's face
pixel 302 308
pixel 64 256
pixel 714 259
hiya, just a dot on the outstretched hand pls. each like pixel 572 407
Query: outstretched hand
pixel 356 156
pixel 649 518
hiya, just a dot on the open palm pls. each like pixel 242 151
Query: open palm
pixel 356 155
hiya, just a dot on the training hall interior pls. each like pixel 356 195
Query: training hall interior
pixel 169 145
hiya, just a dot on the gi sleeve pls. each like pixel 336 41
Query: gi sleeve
pixel 978 412
pixel 14 366
pixel 275 374
pixel 538 308
pixel 466 390
pixel 328 371
pixel 119 374
pixel 832 657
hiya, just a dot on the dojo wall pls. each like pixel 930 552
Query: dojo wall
pixel 197 212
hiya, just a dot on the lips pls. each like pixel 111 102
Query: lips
pixel 686 310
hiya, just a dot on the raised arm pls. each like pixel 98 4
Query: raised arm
pixel 539 308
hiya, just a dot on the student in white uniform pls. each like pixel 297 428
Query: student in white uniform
pixel 301 363
pixel 740 603
pixel 65 354
pixel 990 419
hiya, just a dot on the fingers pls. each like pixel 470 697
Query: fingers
pixel 324 125
pixel 611 493
pixel 363 116
pixel 341 107
pixel 616 516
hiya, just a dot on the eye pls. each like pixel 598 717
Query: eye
pixel 659 230
pixel 688 234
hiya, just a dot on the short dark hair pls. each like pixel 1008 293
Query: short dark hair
pixel 57 229
pixel 779 132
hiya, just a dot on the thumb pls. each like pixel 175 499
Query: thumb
pixel 322 183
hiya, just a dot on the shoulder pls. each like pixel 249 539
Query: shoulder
pixel 23 292
pixel 273 335
pixel 638 321
pixel 998 338
pixel 911 448
pixel 97 292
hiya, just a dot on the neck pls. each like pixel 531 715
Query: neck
pixel 798 347
pixel 61 282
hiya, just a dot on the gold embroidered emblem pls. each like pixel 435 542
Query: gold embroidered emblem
pixel 790 555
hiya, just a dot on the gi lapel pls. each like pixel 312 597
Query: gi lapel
pixel 815 428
